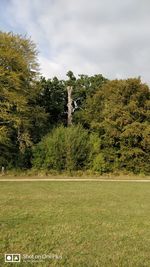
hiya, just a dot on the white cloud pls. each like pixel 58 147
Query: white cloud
pixel 108 37
pixel 49 68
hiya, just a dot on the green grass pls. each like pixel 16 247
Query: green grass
pixel 88 223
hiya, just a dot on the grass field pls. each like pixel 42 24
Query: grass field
pixel 86 223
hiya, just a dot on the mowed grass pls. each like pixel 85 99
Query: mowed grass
pixel 87 223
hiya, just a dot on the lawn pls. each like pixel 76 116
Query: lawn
pixel 76 223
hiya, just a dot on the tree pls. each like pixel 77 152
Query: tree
pixel 18 75
pixel 85 87
pixel 70 85
pixel 53 98
pixel 120 114
pixel 78 90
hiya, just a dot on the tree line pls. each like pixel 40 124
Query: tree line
pixel 110 119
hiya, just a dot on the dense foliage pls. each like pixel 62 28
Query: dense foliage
pixel 120 114
pixel 67 148
pixel 111 119
pixel 19 113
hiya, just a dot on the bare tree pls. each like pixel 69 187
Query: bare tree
pixel 70 107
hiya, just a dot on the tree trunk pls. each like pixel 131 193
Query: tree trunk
pixel 70 108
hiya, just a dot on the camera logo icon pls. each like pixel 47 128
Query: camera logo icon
pixel 12 257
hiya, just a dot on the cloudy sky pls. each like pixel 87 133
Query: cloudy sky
pixel 111 37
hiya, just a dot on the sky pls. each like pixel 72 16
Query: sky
pixel 111 37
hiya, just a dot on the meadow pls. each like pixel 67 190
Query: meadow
pixel 79 224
